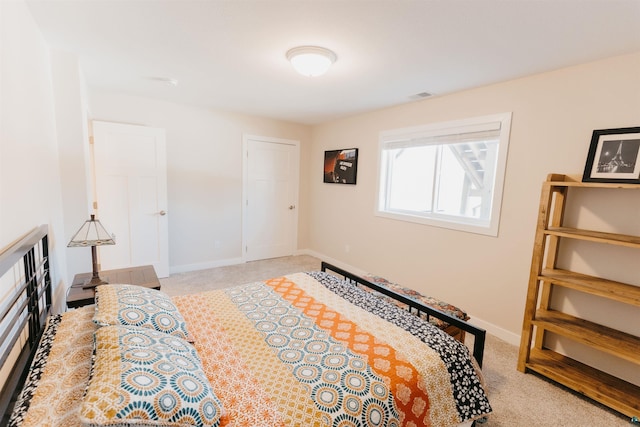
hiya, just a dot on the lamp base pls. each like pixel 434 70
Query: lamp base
pixel 93 282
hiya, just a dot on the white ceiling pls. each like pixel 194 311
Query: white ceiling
pixel 230 54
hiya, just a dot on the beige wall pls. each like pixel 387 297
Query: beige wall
pixel 204 172
pixel 554 115
pixel 30 190
pixel 73 150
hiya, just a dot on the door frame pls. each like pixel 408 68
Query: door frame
pixel 245 185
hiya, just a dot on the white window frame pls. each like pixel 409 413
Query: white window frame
pixel 489 227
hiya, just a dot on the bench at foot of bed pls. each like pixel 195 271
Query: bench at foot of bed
pixel 435 303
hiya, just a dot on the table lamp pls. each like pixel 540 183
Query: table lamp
pixel 92 233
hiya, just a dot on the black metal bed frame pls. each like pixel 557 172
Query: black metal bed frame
pixel 24 312
pixel 479 334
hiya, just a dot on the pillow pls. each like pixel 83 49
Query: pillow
pixel 143 377
pixel 138 306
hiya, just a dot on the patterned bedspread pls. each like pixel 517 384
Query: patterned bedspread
pixel 302 350
pixel 306 350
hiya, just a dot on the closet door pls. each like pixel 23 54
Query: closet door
pixel 270 214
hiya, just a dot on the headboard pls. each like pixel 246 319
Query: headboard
pixel 25 301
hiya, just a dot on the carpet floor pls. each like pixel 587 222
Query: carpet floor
pixel 517 399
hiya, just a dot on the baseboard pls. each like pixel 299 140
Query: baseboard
pixel 59 298
pixel 337 263
pixel 204 265
pixel 495 330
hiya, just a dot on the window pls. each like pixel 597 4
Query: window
pixel 446 174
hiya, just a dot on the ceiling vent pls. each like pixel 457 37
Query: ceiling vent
pixel 421 95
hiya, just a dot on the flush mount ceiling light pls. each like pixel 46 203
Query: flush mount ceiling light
pixel 311 61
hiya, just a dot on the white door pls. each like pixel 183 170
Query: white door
pixel 131 194
pixel 270 214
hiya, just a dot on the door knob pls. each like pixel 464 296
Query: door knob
pixel 163 213
pixel 292 207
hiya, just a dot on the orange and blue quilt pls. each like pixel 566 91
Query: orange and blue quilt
pixel 308 349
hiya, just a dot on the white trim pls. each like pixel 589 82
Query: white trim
pixel 397 137
pixel 402 137
pixel 495 330
pixel 332 261
pixel 460 224
pixel 185 268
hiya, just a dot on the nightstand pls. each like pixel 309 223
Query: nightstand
pixel 141 276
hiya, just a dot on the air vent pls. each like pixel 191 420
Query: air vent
pixel 421 95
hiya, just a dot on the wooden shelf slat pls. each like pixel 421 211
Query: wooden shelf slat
pixel 617 291
pixel 611 391
pixel 595 236
pixel 612 341
pixel 559 180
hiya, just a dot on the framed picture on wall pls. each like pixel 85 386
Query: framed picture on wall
pixel 614 156
pixel 341 166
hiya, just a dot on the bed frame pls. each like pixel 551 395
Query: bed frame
pixel 26 288
pixel 479 335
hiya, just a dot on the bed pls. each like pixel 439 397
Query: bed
pixel 305 349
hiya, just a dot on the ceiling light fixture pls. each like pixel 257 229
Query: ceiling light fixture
pixel 311 61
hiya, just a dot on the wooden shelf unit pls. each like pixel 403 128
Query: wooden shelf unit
pixel 540 318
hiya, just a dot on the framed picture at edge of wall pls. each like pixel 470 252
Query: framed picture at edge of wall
pixel 614 156
pixel 341 166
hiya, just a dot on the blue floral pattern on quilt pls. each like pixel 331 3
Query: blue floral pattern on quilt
pixel 138 306
pixel 147 377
